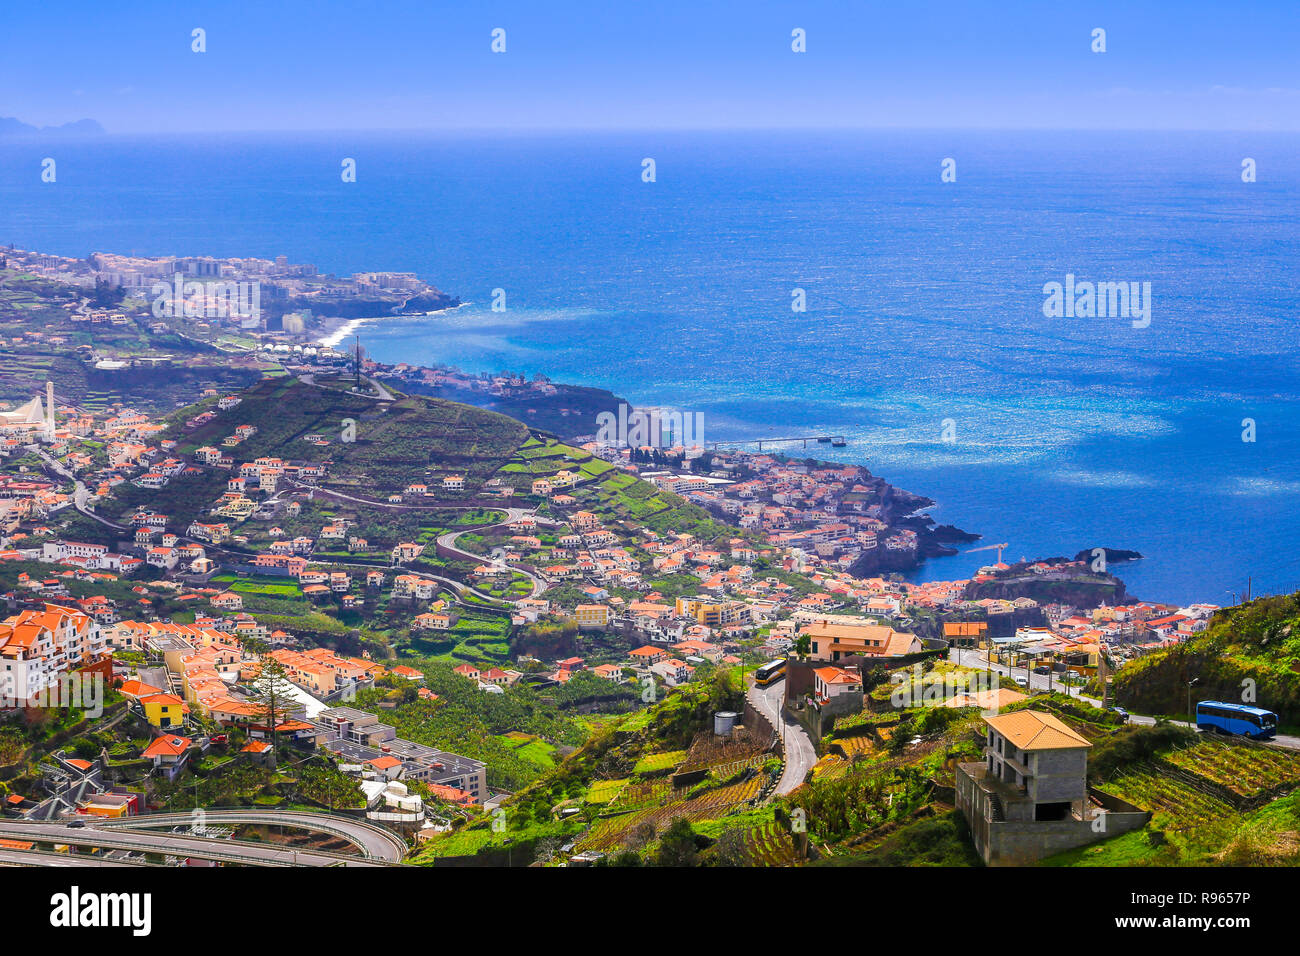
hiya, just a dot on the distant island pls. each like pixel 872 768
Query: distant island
pixel 15 128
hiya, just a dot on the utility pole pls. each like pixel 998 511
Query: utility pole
pixel 1103 676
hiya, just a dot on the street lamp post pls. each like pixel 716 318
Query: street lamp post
pixel 1194 680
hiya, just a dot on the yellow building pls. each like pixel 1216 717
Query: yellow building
pixel 591 615
pixel 714 613
pixel 164 711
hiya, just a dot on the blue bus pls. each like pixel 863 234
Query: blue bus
pixel 1236 719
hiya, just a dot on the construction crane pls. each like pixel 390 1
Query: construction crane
pixel 990 547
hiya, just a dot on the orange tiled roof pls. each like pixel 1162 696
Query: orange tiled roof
pixel 1034 730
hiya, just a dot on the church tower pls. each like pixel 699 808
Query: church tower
pixel 49 411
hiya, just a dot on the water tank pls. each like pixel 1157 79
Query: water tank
pixel 724 722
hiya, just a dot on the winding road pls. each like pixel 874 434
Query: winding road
pixel 800 754
pixel 79 490
pixel 378 846
pixel 449 539
pixel 1044 683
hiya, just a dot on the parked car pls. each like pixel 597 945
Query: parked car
pixel 1124 715
pixel 1022 681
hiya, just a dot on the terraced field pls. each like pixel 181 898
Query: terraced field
pixel 728 769
pixel 860 744
pixel 608 832
pixel 605 791
pixel 655 801
pixel 642 793
pixel 1246 769
pixel 770 845
pixel 530 747
pixel 1148 788
pixel 659 762
pixel 709 750
pixel 830 767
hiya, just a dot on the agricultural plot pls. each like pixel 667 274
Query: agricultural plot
pixel 830 767
pixel 732 783
pixel 856 745
pixel 1246 769
pixel 539 461
pixel 610 831
pixel 1159 793
pixel 640 794
pixel 603 792
pixel 709 750
pixel 636 721
pixel 659 762
pixel 770 845
pixel 530 747
pixel 267 589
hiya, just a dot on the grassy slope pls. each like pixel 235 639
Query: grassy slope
pixel 43 343
pixel 1259 641
pixel 396 443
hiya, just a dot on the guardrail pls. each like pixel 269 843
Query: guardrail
pixel 304 819
pixel 205 850
pixel 201 847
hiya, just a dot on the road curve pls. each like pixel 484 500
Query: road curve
pixel 800 754
pixel 375 842
pixel 449 539
pixel 50 858
pixel 113 835
pixel 80 493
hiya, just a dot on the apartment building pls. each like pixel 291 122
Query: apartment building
pixel 37 646
pixel 358 737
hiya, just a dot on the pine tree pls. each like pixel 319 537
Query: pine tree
pixel 272 698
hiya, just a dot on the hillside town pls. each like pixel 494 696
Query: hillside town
pixel 313 594
pixel 780 586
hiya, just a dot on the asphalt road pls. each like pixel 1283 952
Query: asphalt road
pixel 379 846
pixel 374 841
pixel 449 540
pixel 1040 683
pixel 800 755
pixel 79 490
pixel 48 858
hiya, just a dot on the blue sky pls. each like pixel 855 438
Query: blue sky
pixel 604 64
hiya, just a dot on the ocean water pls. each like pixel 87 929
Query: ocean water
pixel 924 301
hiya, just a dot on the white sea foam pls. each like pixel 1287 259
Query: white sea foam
pixel 344 331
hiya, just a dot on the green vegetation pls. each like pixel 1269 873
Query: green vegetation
pixel 43 337
pixel 397 443
pixel 1255 645
pixel 614 793
pixel 659 762
pixel 942 840
pixel 515 733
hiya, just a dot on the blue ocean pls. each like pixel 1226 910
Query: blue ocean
pixel 924 312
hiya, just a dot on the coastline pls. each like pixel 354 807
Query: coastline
pixel 333 334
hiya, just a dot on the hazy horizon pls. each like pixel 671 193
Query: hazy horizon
pixel 403 66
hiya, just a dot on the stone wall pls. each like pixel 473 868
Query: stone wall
pixel 1023 842
pixel 1020 844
